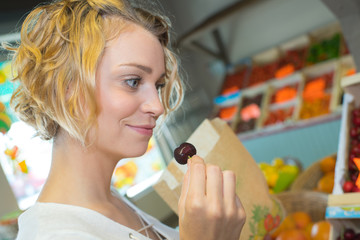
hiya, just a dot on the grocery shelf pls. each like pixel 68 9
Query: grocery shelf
pixel 287 126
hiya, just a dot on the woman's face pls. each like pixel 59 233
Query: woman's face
pixel 128 77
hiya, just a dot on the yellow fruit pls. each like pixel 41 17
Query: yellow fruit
pixel 290 169
pixel 278 162
pixel 271 176
pixel 263 166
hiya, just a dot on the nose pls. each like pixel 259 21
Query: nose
pixel 152 103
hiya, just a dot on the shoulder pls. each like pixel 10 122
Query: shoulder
pixel 54 221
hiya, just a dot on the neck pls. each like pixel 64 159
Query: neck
pixel 78 175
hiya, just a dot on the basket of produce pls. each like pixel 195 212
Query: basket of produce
pixel 311 202
pixel 317 177
pixel 280 173
pixel 304 216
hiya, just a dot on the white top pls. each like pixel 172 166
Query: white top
pixel 56 221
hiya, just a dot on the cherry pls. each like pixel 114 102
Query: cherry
pixel 349 234
pixel 357 236
pixel 184 152
pixel 348 186
pixel 356 121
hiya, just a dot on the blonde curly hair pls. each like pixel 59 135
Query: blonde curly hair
pixel 61 45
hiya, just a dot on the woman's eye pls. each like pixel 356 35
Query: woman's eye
pixel 133 83
pixel 159 86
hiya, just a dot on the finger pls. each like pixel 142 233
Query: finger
pixel 197 177
pixel 214 184
pixel 241 211
pixel 229 180
pixel 184 189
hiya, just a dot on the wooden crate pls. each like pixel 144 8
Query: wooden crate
pixel 262 90
pixel 295 80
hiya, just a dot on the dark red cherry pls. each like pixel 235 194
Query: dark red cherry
pixel 184 152
pixel 349 234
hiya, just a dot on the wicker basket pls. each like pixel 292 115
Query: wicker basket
pixel 308 179
pixel 313 203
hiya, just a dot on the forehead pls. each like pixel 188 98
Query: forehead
pixel 135 44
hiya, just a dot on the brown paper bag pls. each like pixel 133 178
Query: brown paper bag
pixel 217 144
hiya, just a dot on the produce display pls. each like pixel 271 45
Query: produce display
pixel 285 94
pixel 184 152
pixel 279 116
pixel 326 182
pixel 262 73
pixel 295 58
pixel 354 154
pixel 235 80
pixel 279 175
pixel 349 234
pixel 276 113
pixel 316 96
pixel 324 50
pixel 249 113
pixel 299 225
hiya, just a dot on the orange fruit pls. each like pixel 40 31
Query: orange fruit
pixel 287 224
pixel 301 219
pixel 321 230
pixel 327 164
pixel 292 234
pixel 308 229
pixel 326 183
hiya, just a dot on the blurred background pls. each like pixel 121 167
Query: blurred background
pixel 233 54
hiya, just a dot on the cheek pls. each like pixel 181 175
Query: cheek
pixel 118 106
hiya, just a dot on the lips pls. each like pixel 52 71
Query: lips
pixel 146 130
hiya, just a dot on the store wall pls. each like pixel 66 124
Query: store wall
pixel 308 145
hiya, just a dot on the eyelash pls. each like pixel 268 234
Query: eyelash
pixel 159 86
pixel 128 82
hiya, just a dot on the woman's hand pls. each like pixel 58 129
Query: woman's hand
pixel 208 206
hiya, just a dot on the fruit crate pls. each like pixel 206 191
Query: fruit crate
pixel 293 55
pixel 283 102
pixel 345 205
pixel 236 79
pixel 264 66
pixel 321 91
pixel 250 109
pixel 347 67
pixel 327 43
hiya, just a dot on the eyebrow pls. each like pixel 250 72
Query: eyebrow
pixel 142 67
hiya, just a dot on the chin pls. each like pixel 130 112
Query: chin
pixel 137 152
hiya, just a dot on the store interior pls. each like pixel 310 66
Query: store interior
pixel 282 75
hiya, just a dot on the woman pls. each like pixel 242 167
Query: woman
pixel 95 76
